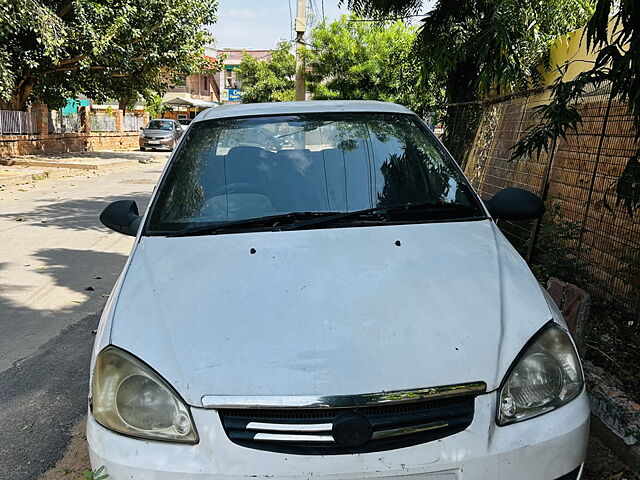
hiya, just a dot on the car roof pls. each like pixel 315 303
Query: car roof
pixel 292 108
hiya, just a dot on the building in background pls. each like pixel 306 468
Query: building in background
pixel 230 87
pixel 195 93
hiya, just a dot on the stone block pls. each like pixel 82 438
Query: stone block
pixel 611 404
pixel 575 304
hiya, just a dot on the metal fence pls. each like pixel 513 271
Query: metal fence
pixel 591 185
pixel 132 122
pixel 70 123
pixel 67 123
pixel 17 123
pixel 103 122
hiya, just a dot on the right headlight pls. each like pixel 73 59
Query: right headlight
pixel 130 398
pixel 546 375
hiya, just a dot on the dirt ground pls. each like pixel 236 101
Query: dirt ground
pixel 75 460
pixel 602 464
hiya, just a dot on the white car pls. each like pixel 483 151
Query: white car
pixel 342 308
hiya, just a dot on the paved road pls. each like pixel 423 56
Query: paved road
pixel 57 265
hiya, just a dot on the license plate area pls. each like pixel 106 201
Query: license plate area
pixel 153 142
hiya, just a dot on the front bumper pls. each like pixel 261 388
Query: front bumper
pixel 161 143
pixel 543 448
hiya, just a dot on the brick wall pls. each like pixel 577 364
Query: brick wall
pixel 68 142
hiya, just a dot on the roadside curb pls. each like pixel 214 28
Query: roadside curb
pixel 34 176
pixel 27 172
pixel 630 455
pixel 615 416
pixel 79 165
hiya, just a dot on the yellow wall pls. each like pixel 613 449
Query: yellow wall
pixel 569 48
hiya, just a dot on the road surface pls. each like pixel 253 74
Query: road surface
pixel 57 266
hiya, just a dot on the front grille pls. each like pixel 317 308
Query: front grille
pixel 327 431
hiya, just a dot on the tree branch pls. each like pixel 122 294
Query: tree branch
pixel 80 57
pixel 65 9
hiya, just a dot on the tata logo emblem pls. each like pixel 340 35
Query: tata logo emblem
pixel 351 429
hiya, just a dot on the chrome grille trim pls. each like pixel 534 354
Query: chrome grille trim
pixel 294 436
pixel 395 432
pixel 284 427
pixel 276 437
pixel 346 430
pixel 342 401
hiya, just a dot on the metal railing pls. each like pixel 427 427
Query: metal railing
pixel 132 122
pixel 17 123
pixel 69 123
pixel 589 181
pixel 102 122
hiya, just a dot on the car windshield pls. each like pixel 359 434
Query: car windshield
pixel 230 170
pixel 160 125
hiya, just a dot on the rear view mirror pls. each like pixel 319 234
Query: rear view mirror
pixel 122 216
pixel 515 204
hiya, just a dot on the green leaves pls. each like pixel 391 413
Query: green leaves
pixel 105 49
pixel 479 48
pixel 271 80
pixel 354 59
pixel 97 474
pixel 616 39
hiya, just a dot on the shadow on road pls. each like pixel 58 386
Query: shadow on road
pixel 78 214
pixel 43 393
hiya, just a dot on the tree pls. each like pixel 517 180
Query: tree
pixel 270 80
pixel 479 48
pixel 483 47
pixel 614 33
pixel 52 49
pixel 355 59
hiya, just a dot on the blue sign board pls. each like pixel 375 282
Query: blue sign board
pixel 235 95
pixel 72 106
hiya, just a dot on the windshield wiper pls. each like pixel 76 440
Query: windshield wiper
pixel 380 211
pixel 270 221
pixel 301 220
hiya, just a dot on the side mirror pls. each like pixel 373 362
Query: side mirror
pixel 141 128
pixel 122 216
pixel 515 204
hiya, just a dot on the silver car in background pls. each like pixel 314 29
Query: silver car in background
pixel 160 133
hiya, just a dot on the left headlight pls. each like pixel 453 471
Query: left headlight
pixel 546 375
pixel 130 398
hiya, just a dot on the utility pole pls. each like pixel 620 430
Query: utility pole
pixel 301 27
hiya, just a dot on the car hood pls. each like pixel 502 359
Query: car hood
pixel 157 133
pixel 328 311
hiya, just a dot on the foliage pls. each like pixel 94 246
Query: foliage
pixel 97 474
pixel 480 48
pixel 483 47
pixel 556 250
pixel 352 59
pixel 52 49
pixel 270 80
pixel 614 33
pixel 155 107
